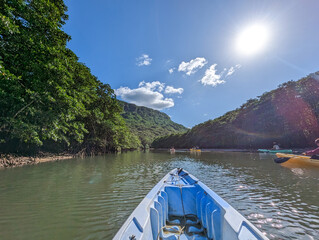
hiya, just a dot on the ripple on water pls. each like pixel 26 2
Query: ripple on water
pixel 91 199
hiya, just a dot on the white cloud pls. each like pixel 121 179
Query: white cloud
pixel 192 66
pixel 171 90
pixel 232 70
pixel 149 94
pixel 156 85
pixel 212 78
pixel 171 70
pixel 143 60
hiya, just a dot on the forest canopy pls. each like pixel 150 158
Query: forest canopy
pixel 49 100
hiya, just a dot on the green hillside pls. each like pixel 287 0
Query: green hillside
pixel 149 124
pixel 288 115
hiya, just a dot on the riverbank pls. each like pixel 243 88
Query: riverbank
pixel 10 161
pixel 207 150
pixel 294 150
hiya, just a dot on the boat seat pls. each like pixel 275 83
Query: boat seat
pixel 191 222
pixel 175 206
pixel 193 229
pixel 172 229
pixel 158 214
pixel 170 237
pixel 193 237
pixel 183 237
pixel 174 222
pixel 196 237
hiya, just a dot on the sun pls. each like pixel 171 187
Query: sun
pixel 252 39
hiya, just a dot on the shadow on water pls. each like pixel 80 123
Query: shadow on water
pixel 91 198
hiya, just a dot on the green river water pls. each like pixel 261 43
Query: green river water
pixel 91 198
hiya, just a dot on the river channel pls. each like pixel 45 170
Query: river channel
pixel 91 198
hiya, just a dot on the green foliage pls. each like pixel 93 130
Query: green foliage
pixel 288 115
pixel 149 124
pixel 46 95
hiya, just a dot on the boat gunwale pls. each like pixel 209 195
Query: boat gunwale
pixel 146 201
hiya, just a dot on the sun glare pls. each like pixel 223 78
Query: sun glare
pixel 252 40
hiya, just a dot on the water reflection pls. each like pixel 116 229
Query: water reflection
pixel 90 198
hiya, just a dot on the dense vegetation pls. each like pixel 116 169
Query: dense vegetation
pixel 48 99
pixel 149 124
pixel 288 115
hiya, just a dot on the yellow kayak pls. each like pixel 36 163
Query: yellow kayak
pixel 195 150
pixel 297 160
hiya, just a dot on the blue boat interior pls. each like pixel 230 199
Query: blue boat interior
pixel 184 208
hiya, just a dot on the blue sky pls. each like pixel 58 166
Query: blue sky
pixel 133 46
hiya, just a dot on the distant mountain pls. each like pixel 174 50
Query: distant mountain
pixel 148 124
pixel 288 115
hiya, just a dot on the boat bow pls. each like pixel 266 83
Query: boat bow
pixel 182 207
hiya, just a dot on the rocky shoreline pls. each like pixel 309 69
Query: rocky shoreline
pixel 10 161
